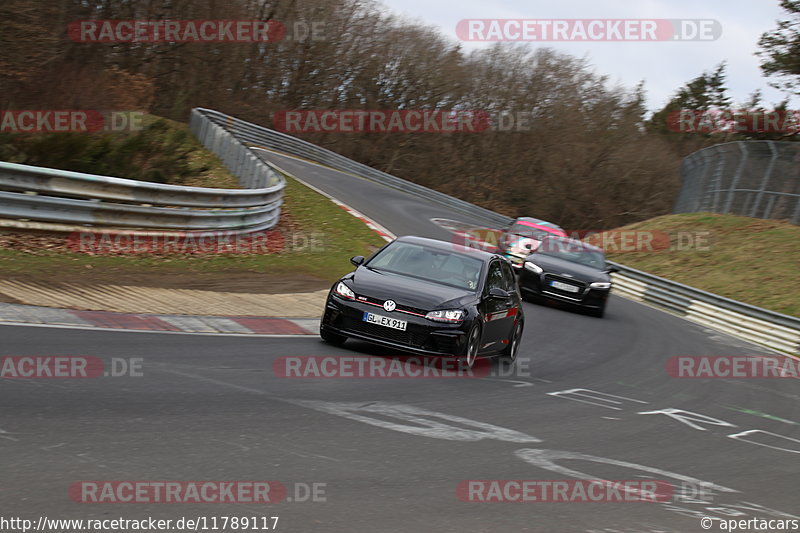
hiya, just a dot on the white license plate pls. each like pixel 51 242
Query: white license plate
pixel 384 321
pixel 564 286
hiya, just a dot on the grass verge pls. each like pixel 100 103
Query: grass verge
pixel 319 239
pixel 162 151
pixel 747 259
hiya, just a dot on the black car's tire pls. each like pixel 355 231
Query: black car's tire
pixel 470 354
pixel 509 354
pixel 331 337
pixel 527 296
pixel 599 312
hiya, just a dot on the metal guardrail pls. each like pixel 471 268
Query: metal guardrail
pixel 105 214
pixel 758 179
pixel 59 200
pixel 267 138
pixel 775 330
pixel 51 182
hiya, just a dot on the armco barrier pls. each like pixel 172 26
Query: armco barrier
pixel 44 198
pixel 775 330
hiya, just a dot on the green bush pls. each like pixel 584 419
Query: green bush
pixel 160 152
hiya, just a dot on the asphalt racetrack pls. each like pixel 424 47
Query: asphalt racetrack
pixel 589 398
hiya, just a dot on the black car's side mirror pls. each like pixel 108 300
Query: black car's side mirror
pixel 357 260
pixel 496 293
pixel 611 269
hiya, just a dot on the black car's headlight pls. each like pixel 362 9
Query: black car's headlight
pixel 344 291
pixel 533 267
pixel 446 315
pixel 600 285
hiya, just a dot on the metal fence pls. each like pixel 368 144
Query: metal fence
pixel 758 179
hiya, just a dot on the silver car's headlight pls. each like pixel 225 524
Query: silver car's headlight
pixel 600 285
pixel 446 315
pixel 533 267
pixel 344 291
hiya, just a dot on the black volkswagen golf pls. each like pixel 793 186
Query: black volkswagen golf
pixel 428 297
pixel 569 271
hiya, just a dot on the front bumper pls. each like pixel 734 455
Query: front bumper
pixel 535 284
pixel 421 336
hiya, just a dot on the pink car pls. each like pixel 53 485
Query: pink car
pixel 524 236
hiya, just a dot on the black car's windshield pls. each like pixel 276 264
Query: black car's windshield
pixel 437 266
pixel 573 251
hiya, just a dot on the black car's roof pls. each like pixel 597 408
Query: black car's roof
pixel 451 247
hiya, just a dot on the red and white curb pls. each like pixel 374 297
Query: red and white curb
pixel 377 228
pixel 27 315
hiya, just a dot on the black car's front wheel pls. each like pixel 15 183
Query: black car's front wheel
pixel 473 344
pixel 331 337
pixel 510 352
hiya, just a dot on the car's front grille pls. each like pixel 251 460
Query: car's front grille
pixel 445 344
pixel 561 292
pixel 408 337
pixel 415 310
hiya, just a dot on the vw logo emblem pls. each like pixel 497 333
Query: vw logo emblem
pixel 389 305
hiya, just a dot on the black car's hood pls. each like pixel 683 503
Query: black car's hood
pixel 555 265
pixel 406 290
